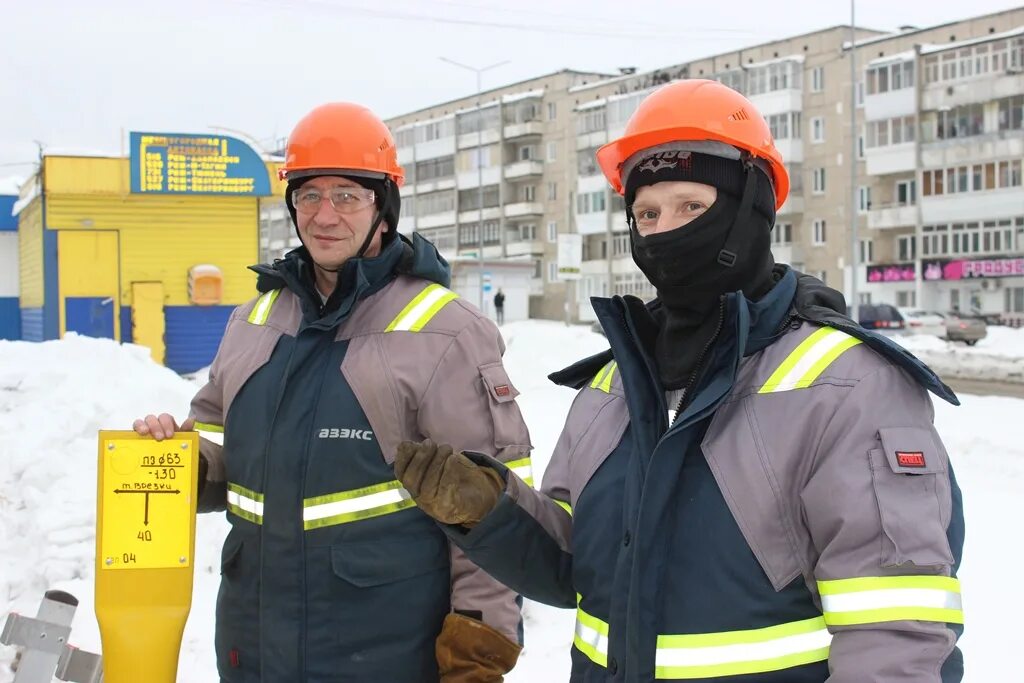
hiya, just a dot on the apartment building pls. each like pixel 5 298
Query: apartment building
pixel 944 144
pixel 922 150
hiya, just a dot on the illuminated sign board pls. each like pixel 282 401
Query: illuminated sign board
pixel 182 163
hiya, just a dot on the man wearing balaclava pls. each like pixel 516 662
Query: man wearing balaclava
pixel 748 486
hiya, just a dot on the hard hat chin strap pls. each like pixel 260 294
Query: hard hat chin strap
pixel 378 219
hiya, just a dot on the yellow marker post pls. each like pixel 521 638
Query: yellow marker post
pixel 145 543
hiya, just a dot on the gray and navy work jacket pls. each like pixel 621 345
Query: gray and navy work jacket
pixel 797 521
pixel 330 572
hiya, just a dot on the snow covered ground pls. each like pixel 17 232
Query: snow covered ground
pixel 999 356
pixel 55 396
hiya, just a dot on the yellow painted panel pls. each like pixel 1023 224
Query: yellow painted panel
pixel 85 175
pixel 105 175
pixel 145 545
pixel 30 256
pixel 163 236
pixel 87 265
pixel 148 318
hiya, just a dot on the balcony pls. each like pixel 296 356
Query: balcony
pixel 435 220
pixel 486 137
pixel 435 185
pixel 972 206
pixel 491 213
pixel 592 223
pixel 794 204
pixel 594 139
pixel 970 90
pixel 1005 144
pixel 432 149
pixel 467 179
pixel 531 248
pixel 524 129
pixel 890 159
pixel 892 216
pixel 522 169
pixel 788 253
pixel 778 101
pixel 889 105
pixel 791 149
pixel 521 209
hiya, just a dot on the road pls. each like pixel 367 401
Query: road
pixel 985 387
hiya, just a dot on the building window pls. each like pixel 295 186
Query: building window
pixel 552 191
pixel 818 236
pixel 552 231
pixel 1013 300
pixel 906 194
pixel 996 175
pixel 818 181
pixel 552 271
pixel 972 237
pixel 863 198
pixel 867 252
pixel 860 147
pixel 882 79
pixel 529 193
pixel 552 151
pixel 590 202
pixel 818 129
pixel 860 94
pixel 527 153
pixel 906 298
pixel 993 57
pixel 469 200
pixel 538 269
pixel 864 298
pixel 890 131
pixel 823 276
pixel 433 169
pixel 591 121
pixel 435 202
pixel 552 111
pixel 817 79
pixel 782 235
pixel 960 122
pixel 1011 113
pixel 905 248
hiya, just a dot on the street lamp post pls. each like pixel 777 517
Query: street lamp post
pixel 479 165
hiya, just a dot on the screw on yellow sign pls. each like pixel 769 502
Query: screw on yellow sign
pixel 146 505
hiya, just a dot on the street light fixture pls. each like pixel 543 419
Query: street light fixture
pixel 479 164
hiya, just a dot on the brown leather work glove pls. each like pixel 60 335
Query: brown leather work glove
pixel 446 485
pixel 470 651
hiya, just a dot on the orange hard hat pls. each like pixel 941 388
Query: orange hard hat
pixel 695 110
pixel 342 136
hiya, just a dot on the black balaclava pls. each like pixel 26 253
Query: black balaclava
pixel 726 249
pixel 386 197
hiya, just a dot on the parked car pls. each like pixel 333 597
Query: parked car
pixel 966 328
pixel 881 318
pixel 923 322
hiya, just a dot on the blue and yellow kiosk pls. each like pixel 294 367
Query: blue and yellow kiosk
pixel 151 249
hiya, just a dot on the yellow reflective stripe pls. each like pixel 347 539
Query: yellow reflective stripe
pixel 603 379
pixel 730 653
pixel 591 636
pixel 245 503
pixel 208 427
pixel 421 309
pixel 874 599
pixel 261 311
pixel 523 469
pixel 562 504
pixel 354 505
pixel 808 360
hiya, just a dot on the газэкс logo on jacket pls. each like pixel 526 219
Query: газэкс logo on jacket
pixel 345 433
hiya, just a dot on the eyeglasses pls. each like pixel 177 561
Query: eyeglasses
pixel 343 199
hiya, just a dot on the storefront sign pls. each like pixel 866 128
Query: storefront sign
pixel 965 269
pixel 179 163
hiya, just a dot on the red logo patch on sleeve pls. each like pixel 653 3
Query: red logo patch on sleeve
pixel 910 458
pixel 502 390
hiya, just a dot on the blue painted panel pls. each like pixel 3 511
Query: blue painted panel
pixel 7 221
pixel 126 324
pixel 193 334
pixel 32 324
pixel 91 316
pixel 51 318
pixel 10 318
pixel 197 159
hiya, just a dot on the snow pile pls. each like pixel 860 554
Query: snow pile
pixel 56 395
pixel 998 357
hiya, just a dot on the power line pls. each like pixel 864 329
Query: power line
pixel 480 23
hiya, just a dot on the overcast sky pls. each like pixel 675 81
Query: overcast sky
pixel 77 73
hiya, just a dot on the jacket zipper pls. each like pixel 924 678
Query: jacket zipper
pixel 697 367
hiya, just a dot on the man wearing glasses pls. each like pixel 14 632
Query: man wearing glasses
pixel 330 572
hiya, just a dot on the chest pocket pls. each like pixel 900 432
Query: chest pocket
pixel 735 452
